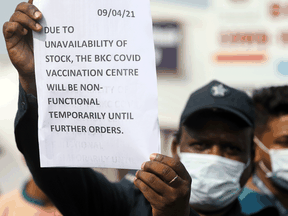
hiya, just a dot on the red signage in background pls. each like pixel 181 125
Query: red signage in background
pixel 244 38
pixel 229 39
pixel 237 57
pixel 277 10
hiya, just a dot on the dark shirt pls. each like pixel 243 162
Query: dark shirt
pixel 74 191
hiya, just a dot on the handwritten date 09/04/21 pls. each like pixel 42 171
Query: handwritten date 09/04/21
pixel 113 12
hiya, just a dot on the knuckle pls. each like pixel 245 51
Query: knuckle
pixel 176 164
pixel 20 5
pixel 144 187
pixel 5 26
pixel 17 15
pixel 31 8
pixel 166 171
pixel 9 28
pixel 151 179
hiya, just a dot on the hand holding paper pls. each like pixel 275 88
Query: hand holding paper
pixel 18 37
pixel 166 184
pixel 126 67
pixel 96 80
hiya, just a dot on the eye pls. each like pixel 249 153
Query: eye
pixel 231 149
pixel 198 146
pixel 283 143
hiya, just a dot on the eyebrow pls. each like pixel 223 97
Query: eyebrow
pixel 200 138
pixel 282 138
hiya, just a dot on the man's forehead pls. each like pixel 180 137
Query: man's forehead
pixel 278 125
pixel 214 118
pixel 241 139
pixel 212 130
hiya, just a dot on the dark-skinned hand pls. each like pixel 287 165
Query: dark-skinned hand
pixel 18 36
pixel 154 181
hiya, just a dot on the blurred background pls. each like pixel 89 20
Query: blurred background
pixel 243 43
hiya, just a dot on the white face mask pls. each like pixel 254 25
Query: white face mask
pixel 215 180
pixel 279 164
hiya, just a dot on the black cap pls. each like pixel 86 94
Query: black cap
pixel 218 95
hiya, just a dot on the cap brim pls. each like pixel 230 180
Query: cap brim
pixel 236 112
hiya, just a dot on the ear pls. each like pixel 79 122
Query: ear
pixel 175 144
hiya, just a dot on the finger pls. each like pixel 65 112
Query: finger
pixel 30 1
pixel 148 193
pixel 175 164
pixel 11 28
pixel 153 182
pixel 25 20
pixel 30 10
pixel 161 170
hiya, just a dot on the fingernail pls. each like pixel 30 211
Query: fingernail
pixel 153 156
pixel 142 166
pixel 135 179
pixel 37 14
pixel 38 26
pixel 136 173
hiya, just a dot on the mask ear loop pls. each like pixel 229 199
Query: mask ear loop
pixel 265 169
pixel 261 145
pixel 178 151
pixel 261 164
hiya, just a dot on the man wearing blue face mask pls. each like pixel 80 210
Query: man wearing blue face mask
pixel 215 144
pixel 269 184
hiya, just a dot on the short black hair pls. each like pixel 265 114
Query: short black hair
pixel 269 102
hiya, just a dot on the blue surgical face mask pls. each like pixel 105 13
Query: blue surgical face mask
pixel 215 180
pixel 279 164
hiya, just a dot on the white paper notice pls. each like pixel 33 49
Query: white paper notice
pixel 96 83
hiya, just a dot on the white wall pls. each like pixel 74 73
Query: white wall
pixel 174 90
pixel 201 33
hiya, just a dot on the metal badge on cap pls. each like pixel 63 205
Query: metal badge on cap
pixel 219 90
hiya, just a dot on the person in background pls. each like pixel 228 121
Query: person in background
pixel 268 186
pixel 30 200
